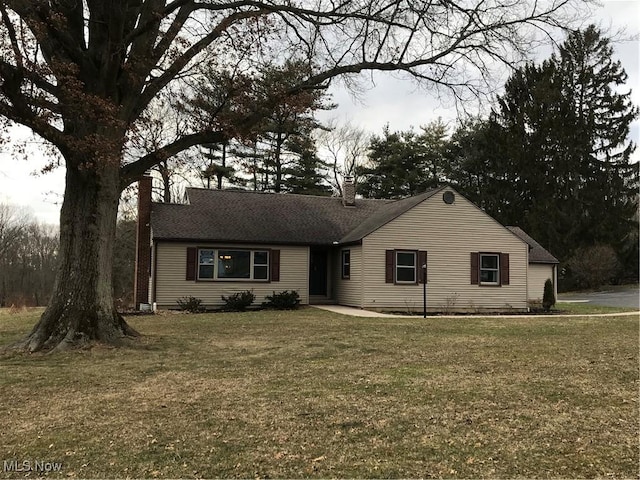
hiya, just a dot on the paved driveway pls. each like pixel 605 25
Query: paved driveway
pixel 614 297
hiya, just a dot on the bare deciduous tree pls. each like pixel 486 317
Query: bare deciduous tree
pixel 13 222
pixel 345 149
pixel 28 258
pixel 84 74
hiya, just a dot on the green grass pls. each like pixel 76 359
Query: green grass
pixel 314 394
pixel 572 308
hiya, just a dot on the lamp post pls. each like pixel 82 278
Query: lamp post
pixel 424 290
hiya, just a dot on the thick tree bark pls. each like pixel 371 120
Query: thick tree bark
pixel 82 309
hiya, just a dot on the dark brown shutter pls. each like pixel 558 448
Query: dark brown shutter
pixel 504 269
pixel 192 257
pixel 475 268
pixel 275 265
pixel 389 264
pixel 422 260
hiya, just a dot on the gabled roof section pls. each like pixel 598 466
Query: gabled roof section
pixel 385 214
pixel 537 253
pixel 256 217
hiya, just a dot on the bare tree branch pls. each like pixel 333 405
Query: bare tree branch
pixel 131 171
pixel 122 55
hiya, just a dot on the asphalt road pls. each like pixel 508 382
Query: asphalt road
pixel 615 297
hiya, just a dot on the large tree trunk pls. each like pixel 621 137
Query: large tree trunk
pixel 82 309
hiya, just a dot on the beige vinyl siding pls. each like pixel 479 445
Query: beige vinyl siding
pixel 349 292
pixel 538 274
pixel 449 233
pixel 171 272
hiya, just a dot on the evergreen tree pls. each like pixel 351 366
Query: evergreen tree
pixel 548 295
pixel 293 117
pixel 560 167
pixel 216 165
pixel 475 165
pixel 229 95
pixel 306 174
pixel 402 164
pixel 601 120
pixel 392 170
pixel 431 145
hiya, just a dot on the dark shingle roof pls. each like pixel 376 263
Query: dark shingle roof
pixel 537 253
pixel 256 217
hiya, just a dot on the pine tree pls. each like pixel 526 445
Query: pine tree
pixel 290 118
pixel 306 174
pixel 216 165
pixel 564 150
pixel 407 163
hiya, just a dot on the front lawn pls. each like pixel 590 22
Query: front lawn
pixel 314 394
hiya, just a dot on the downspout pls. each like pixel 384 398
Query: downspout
pixel 526 277
pixel 154 272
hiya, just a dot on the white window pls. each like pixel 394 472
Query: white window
pixel 490 268
pixel 261 265
pixel 405 267
pixel 227 264
pixel 206 264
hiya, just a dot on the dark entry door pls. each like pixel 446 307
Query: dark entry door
pixel 318 272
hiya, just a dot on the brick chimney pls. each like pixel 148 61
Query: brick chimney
pixel 143 243
pixel 348 192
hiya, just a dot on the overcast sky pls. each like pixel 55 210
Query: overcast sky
pixel 396 102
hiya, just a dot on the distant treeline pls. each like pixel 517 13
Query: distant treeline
pixel 29 253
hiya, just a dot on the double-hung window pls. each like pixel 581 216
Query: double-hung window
pixel 406 266
pixel 346 264
pixel 490 269
pixel 228 264
pixel 206 267
pixel 260 265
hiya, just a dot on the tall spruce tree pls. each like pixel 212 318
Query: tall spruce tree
pixel 562 169
pixel 602 117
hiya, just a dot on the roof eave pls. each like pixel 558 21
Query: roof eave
pixel 242 242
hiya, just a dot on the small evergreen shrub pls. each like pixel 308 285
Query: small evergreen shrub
pixel 239 301
pixel 190 304
pixel 286 300
pixel 548 297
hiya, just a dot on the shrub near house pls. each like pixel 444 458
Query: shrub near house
pixel 548 298
pixel 282 301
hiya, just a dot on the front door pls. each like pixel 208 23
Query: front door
pixel 318 272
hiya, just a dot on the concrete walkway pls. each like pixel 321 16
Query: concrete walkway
pixel 358 312
pixel 354 312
